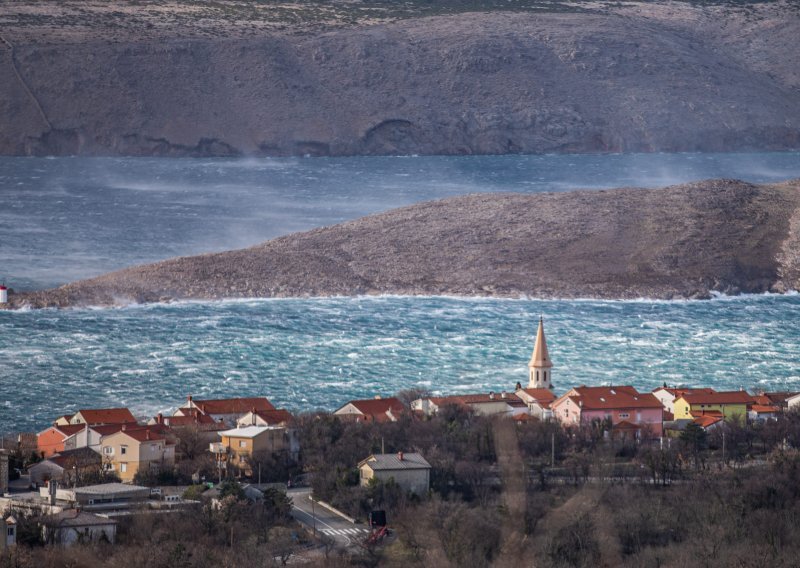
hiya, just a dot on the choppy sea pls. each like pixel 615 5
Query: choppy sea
pixel 69 218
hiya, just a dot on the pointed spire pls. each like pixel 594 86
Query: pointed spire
pixel 540 357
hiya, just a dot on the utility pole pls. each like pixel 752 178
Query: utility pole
pixel 723 445
pixel 314 516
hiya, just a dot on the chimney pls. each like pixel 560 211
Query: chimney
pixel 400 456
pixel 377 397
pixel 254 416
pixel 160 418
pixel 189 398
pixel 503 394
pixel 518 386
pixel 491 395
pixel 147 434
pixel 124 427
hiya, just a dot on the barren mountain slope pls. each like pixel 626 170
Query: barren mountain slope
pixel 635 77
pixel 681 241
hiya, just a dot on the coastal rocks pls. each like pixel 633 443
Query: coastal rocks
pixel 686 241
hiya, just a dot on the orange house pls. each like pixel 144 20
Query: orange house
pixel 51 441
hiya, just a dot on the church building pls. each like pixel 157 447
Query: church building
pixel 540 366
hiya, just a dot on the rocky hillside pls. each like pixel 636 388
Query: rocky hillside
pixel 681 241
pixel 340 78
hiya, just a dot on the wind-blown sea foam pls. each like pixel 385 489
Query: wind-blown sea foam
pixel 318 353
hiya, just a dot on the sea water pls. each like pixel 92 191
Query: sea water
pixel 62 219
pixel 307 354
pixel 67 218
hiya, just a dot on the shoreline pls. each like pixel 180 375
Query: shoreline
pixel 713 297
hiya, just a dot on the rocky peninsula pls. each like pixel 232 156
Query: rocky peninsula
pixel 684 241
pixel 206 78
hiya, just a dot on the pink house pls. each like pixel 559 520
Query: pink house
pixel 627 409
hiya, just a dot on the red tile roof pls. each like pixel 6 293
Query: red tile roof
pixel 80 456
pixel 543 396
pixel 233 405
pixel 278 416
pixel 67 430
pixel 765 408
pixel 714 413
pixel 779 397
pixel 106 415
pixel 729 397
pixel 678 392
pixel 202 421
pixel 613 397
pixel 707 420
pixel 108 429
pixel 145 434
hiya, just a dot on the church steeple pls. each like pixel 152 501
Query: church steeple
pixel 540 366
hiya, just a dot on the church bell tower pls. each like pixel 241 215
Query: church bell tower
pixel 540 367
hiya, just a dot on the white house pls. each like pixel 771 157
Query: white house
pixel 76 526
pixel 538 401
pixel 668 395
pixel 410 471
pixel 489 404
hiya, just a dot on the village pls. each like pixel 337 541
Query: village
pixel 77 480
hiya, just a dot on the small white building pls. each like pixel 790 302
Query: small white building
pixel 9 536
pixel 484 404
pixel 76 526
pixel 793 402
pixel 538 401
pixel 410 471
pixel 668 395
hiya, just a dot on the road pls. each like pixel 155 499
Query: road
pixel 325 522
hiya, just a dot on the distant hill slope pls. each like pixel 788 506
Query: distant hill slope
pixel 209 78
pixel 681 241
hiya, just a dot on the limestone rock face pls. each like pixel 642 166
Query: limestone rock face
pixel 684 241
pixel 634 78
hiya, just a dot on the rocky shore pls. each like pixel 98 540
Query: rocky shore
pixel 361 78
pixel 685 241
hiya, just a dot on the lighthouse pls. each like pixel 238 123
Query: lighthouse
pixel 3 294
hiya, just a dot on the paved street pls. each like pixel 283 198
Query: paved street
pixel 326 522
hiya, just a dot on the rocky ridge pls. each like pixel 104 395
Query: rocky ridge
pixel 89 79
pixel 685 241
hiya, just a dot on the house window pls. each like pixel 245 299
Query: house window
pixel 123 450
pixel 242 444
pixel 10 531
pixel 123 467
pixel 109 450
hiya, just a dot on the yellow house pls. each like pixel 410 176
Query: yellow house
pixel 731 404
pixel 131 450
pixel 243 442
